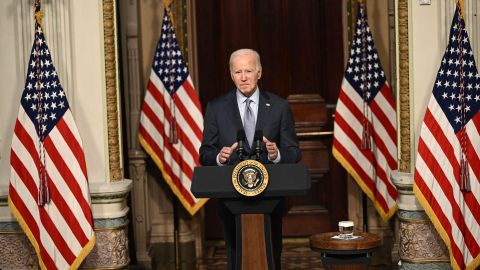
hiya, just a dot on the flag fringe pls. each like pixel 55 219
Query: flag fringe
pixel 384 215
pixel 441 230
pixel 191 209
pixel 76 263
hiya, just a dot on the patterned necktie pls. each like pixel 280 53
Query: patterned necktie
pixel 249 121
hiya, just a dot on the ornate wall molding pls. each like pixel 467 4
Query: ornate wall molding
pixel 132 92
pixel 109 200
pixel 403 87
pixel 140 208
pixel 113 126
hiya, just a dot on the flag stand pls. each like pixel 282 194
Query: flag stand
pixel 176 243
pixel 365 212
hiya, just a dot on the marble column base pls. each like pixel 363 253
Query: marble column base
pixel 16 252
pixel 426 266
pixel 419 245
pixel 110 251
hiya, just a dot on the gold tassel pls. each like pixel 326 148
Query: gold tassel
pixel 366 144
pixel 173 138
pixel 43 190
pixel 464 175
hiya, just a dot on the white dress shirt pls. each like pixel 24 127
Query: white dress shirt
pixel 255 98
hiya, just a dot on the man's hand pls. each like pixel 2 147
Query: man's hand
pixel 271 148
pixel 226 152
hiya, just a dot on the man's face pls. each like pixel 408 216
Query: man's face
pixel 245 73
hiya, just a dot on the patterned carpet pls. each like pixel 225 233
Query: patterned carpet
pixel 296 255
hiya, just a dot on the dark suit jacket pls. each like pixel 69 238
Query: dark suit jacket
pixel 222 121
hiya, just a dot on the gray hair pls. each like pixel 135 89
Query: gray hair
pixel 246 52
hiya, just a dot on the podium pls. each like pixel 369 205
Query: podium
pixel 252 214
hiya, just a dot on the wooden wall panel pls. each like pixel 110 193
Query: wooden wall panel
pixel 301 47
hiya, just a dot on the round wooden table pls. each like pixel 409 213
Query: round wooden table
pixel 345 254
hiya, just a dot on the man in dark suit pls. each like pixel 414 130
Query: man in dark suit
pixel 248 108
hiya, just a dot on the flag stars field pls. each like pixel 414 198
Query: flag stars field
pixel 366 107
pixel 448 150
pixel 171 121
pixel 48 192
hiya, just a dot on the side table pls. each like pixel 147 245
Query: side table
pixel 345 254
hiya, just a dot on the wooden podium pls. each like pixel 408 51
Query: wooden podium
pixel 252 214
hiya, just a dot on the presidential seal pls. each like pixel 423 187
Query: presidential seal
pixel 250 178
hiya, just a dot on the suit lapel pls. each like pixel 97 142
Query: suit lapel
pixel 232 109
pixel 264 107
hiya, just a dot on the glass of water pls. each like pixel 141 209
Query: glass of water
pixel 346 229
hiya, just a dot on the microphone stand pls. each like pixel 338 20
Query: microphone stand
pixel 258 144
pixel 241 138
pixel 258 150
pixel 240 150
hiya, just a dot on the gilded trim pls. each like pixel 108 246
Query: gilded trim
pixel 314 133
pixel 111 90
pixel 414 221
pixel 111 229
pixel 12 232
pixel 404 88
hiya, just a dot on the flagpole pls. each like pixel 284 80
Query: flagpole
pixel 176 234
pixel 365 212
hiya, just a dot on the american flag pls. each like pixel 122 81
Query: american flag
pixel 48 191
pixel 364 136
pixel 171 121
pixel 450 136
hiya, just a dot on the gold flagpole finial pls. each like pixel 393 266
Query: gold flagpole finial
pixel 39 17
pixel 38 12
pixel 462 7
pixel 166 4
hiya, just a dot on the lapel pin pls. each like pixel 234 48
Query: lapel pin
pixel 268 104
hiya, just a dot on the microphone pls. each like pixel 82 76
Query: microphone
pixel 241 138
pixel 257 139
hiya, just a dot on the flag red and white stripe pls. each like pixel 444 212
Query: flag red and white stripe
pixel 171 105
pixel 366 101
pixel 449 134
pixel 61 227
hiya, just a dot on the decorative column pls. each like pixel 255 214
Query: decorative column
pixel 111 230
pixel 82 37
pixel 420 246
pixel 133 94
pixel 109 201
